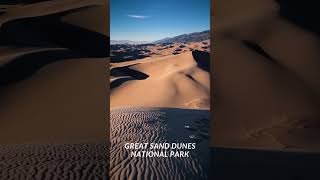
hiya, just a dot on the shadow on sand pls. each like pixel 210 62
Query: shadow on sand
pixel 50 31
pixel 47 32
pixel 130 74
pixel 128 52
pixel 24 66
pixel 203 59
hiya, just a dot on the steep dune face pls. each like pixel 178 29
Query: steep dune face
pixel 266 77
pixel 45 23
pixel 53 57
pixel 43 8
pixel 170 81
pixel 159 125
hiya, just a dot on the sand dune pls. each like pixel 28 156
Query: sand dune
pixel 42 8
pixel 169 81
pixel 267 76
pixel 53 56
pixel 144 78
pixel 54 161
pixel 53 59
pixel 127 52
pixel 175 77
pixel 159 125
pixel 26 25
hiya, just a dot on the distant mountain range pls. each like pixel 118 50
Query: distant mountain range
pixel 192 37
pixel 113 42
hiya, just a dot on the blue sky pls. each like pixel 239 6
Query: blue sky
pixel 150 20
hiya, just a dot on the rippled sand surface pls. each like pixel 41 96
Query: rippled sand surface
pixel 158 125
pixel 63 161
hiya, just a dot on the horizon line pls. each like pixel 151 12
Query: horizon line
pixel 159 38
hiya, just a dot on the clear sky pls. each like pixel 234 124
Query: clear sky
pixel 150 20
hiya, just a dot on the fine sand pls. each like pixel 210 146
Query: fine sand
pixel 143 78
pixel 51 161
pixel 53 57
pixel 181 81
pixel 175 77
pixel 53 61
pixel 159 125
pixel 267 70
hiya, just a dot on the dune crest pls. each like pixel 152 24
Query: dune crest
pixel 52 55
pixel 172 81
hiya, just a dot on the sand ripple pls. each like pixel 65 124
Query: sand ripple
pixel 63 162
pixel 158 125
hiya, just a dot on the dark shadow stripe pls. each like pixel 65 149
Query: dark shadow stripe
pixel 303 13
pixel 258 49
pixel 24 66
pixel 119 81
pixel 49 30
pixel 125 71
pixel 15 2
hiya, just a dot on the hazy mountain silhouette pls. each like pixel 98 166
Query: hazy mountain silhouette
pixel 114 42
pixel 192 37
